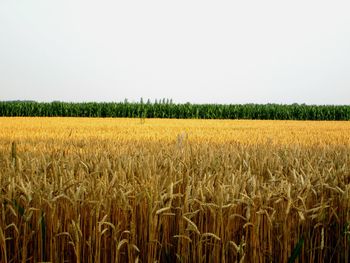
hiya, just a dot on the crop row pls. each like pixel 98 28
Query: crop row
pixel 178 111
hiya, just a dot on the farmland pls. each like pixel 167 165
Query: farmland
pixel 168 190
pixel 168 109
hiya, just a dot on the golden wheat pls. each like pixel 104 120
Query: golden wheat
pixel 118 190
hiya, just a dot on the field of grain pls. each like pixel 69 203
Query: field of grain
pixel 151 190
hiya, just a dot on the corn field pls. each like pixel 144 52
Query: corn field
pixel 168 109
pixel 162 190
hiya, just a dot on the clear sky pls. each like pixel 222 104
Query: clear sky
pixel 190 51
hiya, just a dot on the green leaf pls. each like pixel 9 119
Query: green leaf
pixel 296 251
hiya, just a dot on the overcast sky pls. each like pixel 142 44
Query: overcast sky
pixel 189 51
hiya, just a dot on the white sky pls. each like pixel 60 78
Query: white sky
pixel 196 51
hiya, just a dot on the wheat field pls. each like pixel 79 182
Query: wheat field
pixel 160 190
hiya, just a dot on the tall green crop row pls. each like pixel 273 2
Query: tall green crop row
pixel 183 111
